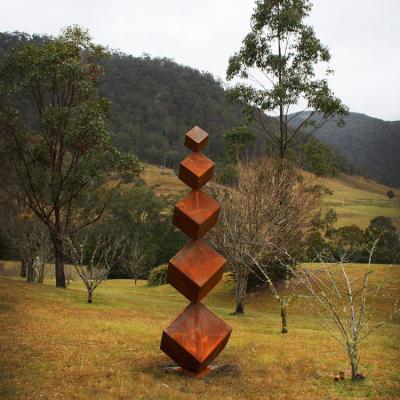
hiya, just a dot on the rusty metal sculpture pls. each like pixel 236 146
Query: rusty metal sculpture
pixel 197 336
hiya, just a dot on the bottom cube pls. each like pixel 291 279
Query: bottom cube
pixel 195 338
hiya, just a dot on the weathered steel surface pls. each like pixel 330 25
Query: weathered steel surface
pixel 195 270
pixel 197 336
pixel 196 214
pixel 196 139
pixel 196 170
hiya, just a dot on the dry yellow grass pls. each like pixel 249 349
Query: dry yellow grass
pixel 56 346
pixel 163 180
pixel 355 199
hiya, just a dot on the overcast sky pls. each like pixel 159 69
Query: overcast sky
pixel 363 35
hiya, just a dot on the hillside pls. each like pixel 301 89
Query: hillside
pixel 371 143
pixel 154 101
pixel 355 199
pixel 112 347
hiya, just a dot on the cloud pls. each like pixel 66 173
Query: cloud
pixel 363 36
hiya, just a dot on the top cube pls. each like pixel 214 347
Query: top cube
pixel 196 139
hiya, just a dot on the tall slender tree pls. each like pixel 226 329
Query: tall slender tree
pixel 54 147
pixel 276 69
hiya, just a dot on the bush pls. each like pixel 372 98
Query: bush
pixel 158 276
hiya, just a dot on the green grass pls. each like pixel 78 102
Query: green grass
pixel 53 345
pixel 355 199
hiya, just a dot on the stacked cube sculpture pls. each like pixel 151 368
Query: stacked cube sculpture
pixel 197 335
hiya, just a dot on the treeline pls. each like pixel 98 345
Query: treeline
pixel 351 243
pixel 153 101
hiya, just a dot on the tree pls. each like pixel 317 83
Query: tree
pixel 268 209
pixel 93 251
pixel 387 250
pixel 28 237
pixel 343 303
pixel 134 260
pixel 145 220
pixel 54 146
pixel 236 140
pixel 319 158
pixel 263 272
pixel 349 242
pixel 276 65
pixel 390 194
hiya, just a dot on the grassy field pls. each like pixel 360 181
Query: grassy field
pixel 53 345
pixel 355 199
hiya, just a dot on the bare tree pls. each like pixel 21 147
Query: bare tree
pixel 29 238
pixel 263 272
pixel 93 253
pixel 134 260
pixel 343 303
pixel 270 207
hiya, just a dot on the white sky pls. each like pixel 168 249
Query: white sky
pixel 363 35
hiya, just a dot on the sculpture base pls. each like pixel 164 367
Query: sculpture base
pixel 196 375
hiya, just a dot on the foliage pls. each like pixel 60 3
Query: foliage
pixel 236 140
pixel 265 214
pixel 28 238
pixel 158 276
pixel 372 145
pixel 53 140
pixel 319 158
pixel 145 219
pixel 155 100
pixel 388 246
pixel 350 242
pixel 276 64
pixel 226 173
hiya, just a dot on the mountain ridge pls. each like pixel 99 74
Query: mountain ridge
pixel 155 100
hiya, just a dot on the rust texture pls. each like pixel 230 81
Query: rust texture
pixel 197 335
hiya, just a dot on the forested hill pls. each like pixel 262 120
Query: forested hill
pixel 154 101
pixel 371 143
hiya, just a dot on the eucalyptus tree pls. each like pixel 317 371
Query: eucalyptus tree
pixel 276 71
pixel 54 146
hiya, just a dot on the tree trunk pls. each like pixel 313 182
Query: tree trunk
pixel 284 320
pixel 30 273
pixel 90 294
pixel 57 236
pixel 40 277
pixel 23 269
pixel 59 259
pixel 241 285
pixel 239 308
pixel 353 356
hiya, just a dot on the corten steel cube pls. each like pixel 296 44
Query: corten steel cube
pixel 196 214
pixel 195 270
pixel 196 170
pixel 196 139
pixel 197 336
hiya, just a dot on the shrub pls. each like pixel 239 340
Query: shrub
pixel 158 276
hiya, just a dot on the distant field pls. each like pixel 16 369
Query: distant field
pixel 53 345
pixel 355 199
pixel 163 181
